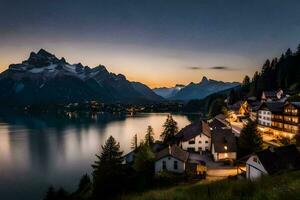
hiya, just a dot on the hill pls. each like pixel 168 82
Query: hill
pixel 284 186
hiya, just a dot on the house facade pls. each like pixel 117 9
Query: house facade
pixel 287 123
pixel 195 137
pixel 265 112
pixel 254 168
pixel 223 145
pixel 172 159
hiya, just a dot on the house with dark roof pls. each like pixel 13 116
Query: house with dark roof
pixel 217 123
pixel 268 96
pixel 172 159
pixel 223 145
pixel 265 111
pixel 272 161
pixel 287 122
pixel 195 137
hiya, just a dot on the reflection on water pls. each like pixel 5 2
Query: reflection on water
pixel 36 151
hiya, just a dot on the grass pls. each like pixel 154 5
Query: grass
pixel 285 186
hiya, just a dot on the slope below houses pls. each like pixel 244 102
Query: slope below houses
pixel 284 186
pixel 43 79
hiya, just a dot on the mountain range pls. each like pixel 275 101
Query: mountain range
pixel 191 91
pixel 43 78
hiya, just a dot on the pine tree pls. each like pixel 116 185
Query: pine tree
pixel 84 183
pixel 51 194
pixel 170 130
pixel 298 50
pixel 134 142
pixel 246 81
pixel 250 139
pixel 108 170
pixel 288 53
pixel 149 139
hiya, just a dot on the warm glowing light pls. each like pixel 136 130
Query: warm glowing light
pixel 225 147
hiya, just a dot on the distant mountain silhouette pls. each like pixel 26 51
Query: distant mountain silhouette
pixel 43 78
pixel 202 89
pixel 166 92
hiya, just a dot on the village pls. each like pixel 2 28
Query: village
pixel 208 149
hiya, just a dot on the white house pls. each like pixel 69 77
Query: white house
pixel 195 137
pixel 223 145
pixel 265 111
pixel 172 159
pixel 271 161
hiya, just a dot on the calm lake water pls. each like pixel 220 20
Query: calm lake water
pixel 39 151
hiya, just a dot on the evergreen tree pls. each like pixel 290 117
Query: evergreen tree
pixel 170 129
pixel 50 195
pixel 288 53
pixel 217 106
pixel 107 174
pixel 298 50
pixel 84 183
pixel 149 139
pixel 246 81
pixel 134 142
pixel 144 159
pixel 250 139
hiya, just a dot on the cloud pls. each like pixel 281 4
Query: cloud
pixel 220 68
pixel 194 68
pixel 210 68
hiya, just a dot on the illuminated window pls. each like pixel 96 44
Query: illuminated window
pixel 225 155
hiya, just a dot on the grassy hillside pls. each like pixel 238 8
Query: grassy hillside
pixel 285 186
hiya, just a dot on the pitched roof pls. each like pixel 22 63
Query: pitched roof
pixel 191 131
pixel 274 107
pixel 221 138
pixel 296 104
pixel 215 123
pixel 280 159
pixel 173 151
pixel 221 117
pixel 270 94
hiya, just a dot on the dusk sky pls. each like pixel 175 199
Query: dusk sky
pixel 157 42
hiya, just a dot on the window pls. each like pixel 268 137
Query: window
pixel 175 164
pixel 200 149
pixel 164 165
pixel 255 159
pixel 206 141
pixel 192 141
pixel 200 141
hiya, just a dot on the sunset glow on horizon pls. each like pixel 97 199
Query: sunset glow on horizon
pixel 157 43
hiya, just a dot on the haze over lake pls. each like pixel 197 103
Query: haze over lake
pixel 37 151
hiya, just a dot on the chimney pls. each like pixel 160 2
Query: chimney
pixel 170 149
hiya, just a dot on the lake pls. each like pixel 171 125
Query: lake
pixel 39 151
